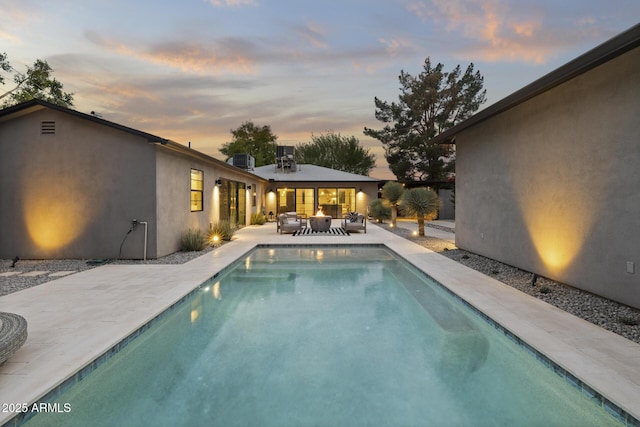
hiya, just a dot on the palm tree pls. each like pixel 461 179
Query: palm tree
pixel 421 203
pixel 392 192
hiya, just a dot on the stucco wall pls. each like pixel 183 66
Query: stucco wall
pixel 551 186
pixel 72 194
pixel 173 195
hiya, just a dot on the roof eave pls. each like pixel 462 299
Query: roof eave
pixel 606 51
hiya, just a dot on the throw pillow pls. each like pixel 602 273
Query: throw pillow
pixel 352 216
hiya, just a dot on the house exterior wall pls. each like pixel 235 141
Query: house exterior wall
pixel 363 199
pixel 73 194
pixel 173 192
pixel 551 185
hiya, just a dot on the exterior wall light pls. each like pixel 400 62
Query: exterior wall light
pixel 218 182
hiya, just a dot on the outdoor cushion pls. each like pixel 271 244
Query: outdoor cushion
pixel 352 216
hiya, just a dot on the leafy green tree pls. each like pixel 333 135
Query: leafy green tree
pixel 36 83
pixel 392 192
pixel 335 151
pixel 429 103
pixel 421 203
pixel 379 210
pixel 257 141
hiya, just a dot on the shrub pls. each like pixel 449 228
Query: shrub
pixel 380 210
pixel 258 218
pixel 544 290
pixel 193 240
pixel 224 230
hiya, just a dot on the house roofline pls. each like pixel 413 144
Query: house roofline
pixel 614 47
pixel 37 104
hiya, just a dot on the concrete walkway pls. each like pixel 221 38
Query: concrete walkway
pixel 76 318
pixel 412 225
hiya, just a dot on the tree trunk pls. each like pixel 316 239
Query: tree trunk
pixel 420 225
pixel 394 215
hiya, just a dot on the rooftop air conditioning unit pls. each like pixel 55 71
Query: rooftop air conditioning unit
pixel 243 161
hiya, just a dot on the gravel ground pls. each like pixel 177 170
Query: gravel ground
pixel 615 317
pixel 610 315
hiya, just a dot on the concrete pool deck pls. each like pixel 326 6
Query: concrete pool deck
pixel 74 319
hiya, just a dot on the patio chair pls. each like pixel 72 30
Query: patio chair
pixel 290 222
pixel 354 221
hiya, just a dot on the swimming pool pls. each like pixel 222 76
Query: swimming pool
pixel 323 336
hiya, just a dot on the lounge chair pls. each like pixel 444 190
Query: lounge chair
pixel 290 222
pixel 354 221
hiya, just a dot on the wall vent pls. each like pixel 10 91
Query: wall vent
pixel 48 128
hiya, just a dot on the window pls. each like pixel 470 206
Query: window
pixel 305 202
pixel 197 187
pixel 337 202
pixel 233 199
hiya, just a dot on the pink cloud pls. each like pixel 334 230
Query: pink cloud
pixel 224 3
pixel 226 56
pixel 500 33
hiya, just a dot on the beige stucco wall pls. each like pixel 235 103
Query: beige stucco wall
pixel 551 186
pixel 173 195
pixel 73 194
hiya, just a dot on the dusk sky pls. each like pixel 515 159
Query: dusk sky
pixel 192 70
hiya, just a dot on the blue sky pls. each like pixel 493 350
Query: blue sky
pixel 192 70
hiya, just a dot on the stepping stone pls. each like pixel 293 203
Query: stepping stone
pixel 62 273
pixel 34 273
pixel 10 273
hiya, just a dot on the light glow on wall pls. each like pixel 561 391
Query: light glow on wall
pixel 558 214
pixel 557 239
pixel 55 216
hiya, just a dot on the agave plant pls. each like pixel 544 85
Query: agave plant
pixel 422 203
pixel 392 192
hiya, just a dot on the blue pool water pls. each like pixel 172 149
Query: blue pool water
pixel 324 337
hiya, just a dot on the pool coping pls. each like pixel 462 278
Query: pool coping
pixel 116 300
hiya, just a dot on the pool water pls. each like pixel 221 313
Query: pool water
pixel 325 337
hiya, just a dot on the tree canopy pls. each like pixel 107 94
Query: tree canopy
pixel 429 103
pixel 258 141
pixel 335 151
pixel 37 82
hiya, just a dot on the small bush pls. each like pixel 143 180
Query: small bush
pixel 193 240
pixel 544 290
pixel 380 210
pixel 224 230
pixel 258 218
pixel 465 256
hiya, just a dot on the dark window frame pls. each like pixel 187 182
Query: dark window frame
pixel 197 191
